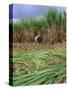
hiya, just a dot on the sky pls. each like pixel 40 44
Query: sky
pixel 18 11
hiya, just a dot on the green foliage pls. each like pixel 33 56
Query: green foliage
pixel 39 67
pixel 64 20
pixel 53 16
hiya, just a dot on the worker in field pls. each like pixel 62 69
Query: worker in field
pixel 38 39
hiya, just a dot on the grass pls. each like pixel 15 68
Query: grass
pixel 39 67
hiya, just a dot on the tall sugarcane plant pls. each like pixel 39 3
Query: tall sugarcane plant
pixel 53 22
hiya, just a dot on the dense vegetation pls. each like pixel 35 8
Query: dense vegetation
pixel 39 67
pixel 51 26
